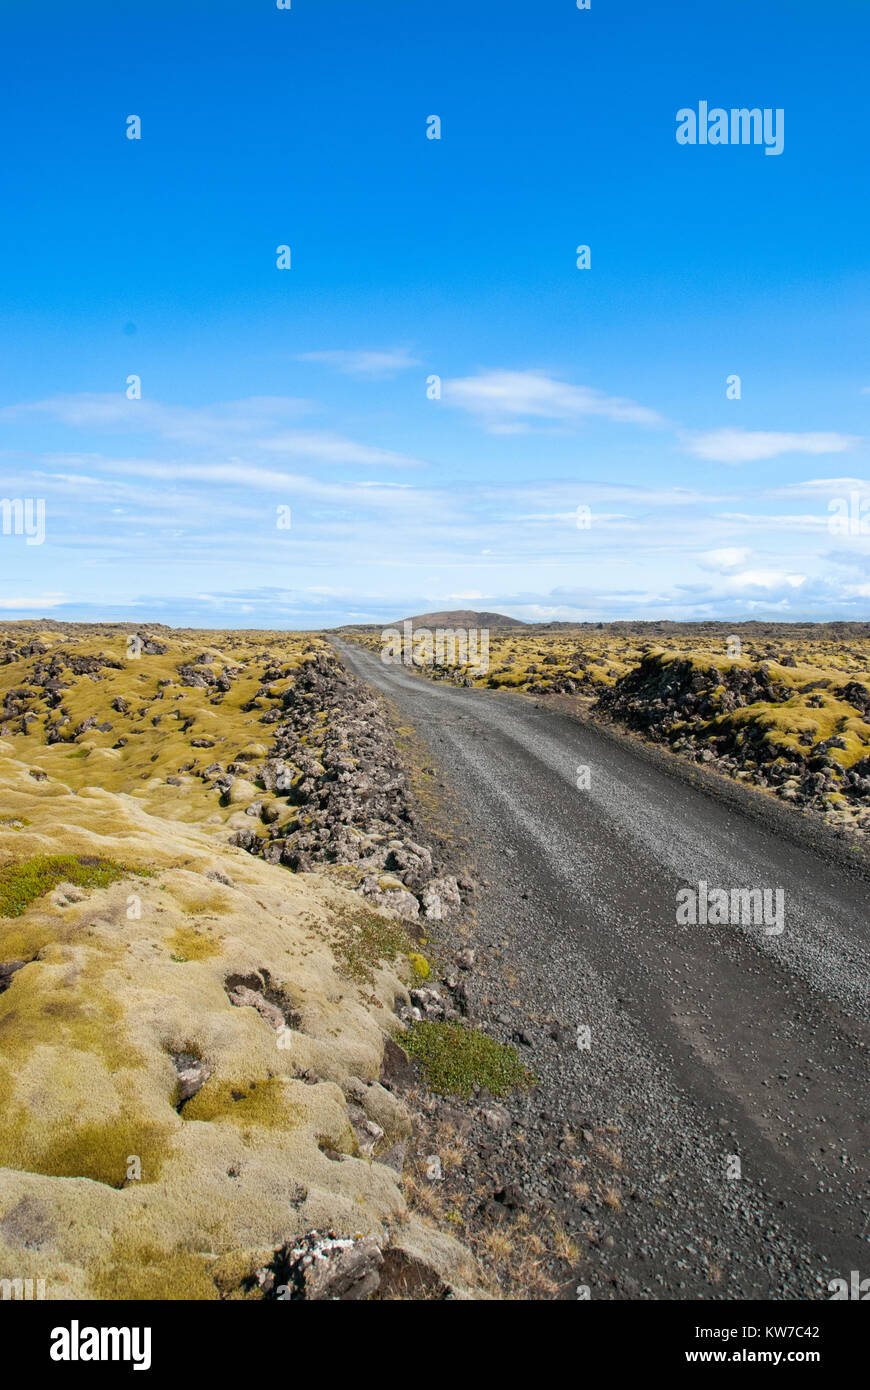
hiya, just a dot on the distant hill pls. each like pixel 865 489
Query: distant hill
pixel 461 617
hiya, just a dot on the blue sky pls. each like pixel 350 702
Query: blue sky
pixel 411 258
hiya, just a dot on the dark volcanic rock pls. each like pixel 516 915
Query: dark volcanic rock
pixel 335 759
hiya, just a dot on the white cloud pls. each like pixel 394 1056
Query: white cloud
pixel 765 579
pixel 203 425
pixel 785 522
pixel 40 601
pixel 562 494
pixel 363 363
pixel 750 446
pixel 813 486
pixel 237 473
pixel 233 423
pixel 502 398
pixel 326 447
pixel 727 558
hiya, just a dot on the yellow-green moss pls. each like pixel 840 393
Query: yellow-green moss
pixel 38 1011
pixel 143 1271
pixel 261 1102
pixel 235 1270
pixel 186 944
pixel 783 724
pixel 24 942
pixel 98 1151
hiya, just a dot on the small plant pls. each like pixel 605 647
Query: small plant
pixel 455 1059
pixel 421 965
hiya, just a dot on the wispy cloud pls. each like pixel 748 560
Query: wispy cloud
pixel 506 401
pixel 113 413
pixel 368 494
pixel 361 363
pixel 256 423
pixel 32 604
pixel 325 447
pixel 820 487
pixel 752 446
pixel 797 522
pixel 590 490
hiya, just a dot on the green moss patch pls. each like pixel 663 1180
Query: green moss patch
pixel 455 1059
pixel 22 882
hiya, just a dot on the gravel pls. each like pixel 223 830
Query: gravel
pixel 707 1044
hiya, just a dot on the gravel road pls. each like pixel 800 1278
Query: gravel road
pixel 712 1049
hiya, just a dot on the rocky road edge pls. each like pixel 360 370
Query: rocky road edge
pixel 335 761
pixel 337 754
